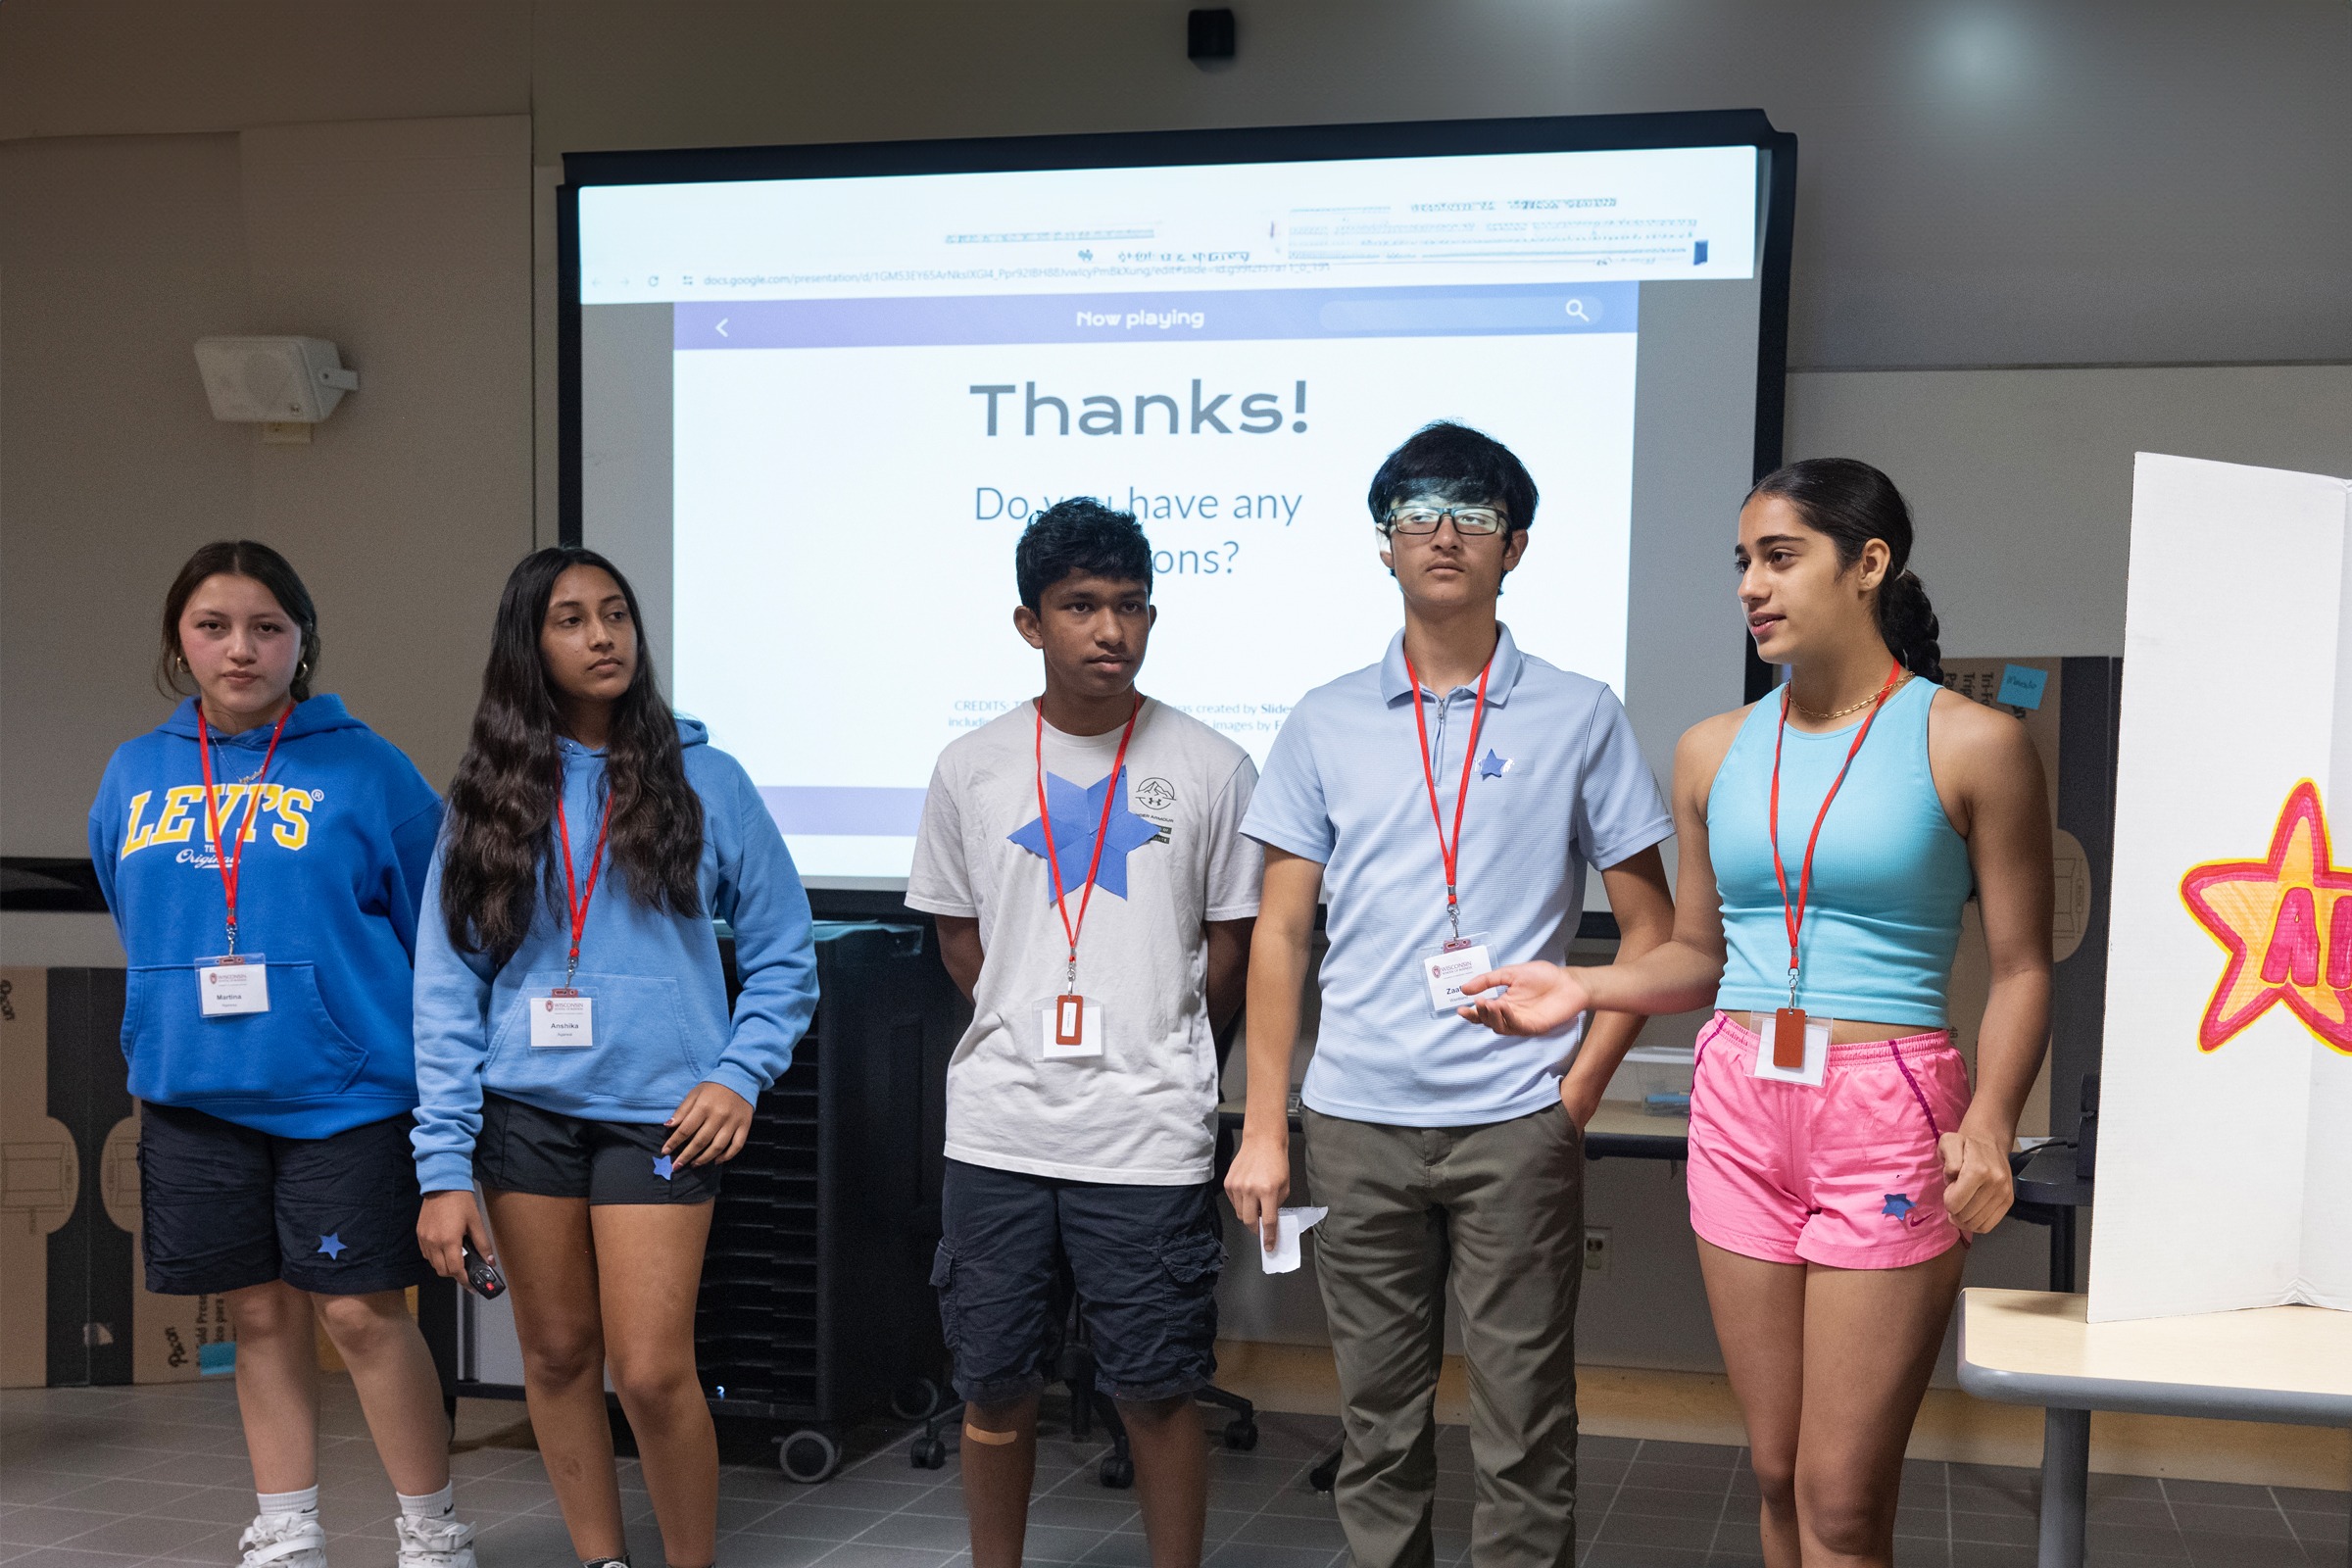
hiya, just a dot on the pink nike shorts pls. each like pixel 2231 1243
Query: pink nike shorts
pixel 1846 1175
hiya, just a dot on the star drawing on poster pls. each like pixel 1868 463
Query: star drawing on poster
pixel 2286 923
pixel 1077 811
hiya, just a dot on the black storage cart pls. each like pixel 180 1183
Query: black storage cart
pixel 816 1307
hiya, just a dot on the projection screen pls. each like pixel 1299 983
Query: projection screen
pixel 812 395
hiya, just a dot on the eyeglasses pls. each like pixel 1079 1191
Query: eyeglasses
pixel 1418 520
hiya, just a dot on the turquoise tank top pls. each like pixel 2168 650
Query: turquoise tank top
pixel 1889 877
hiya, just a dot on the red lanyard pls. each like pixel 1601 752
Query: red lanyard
pixel 579 901
pixel 1794 914
pixel 1045 815
pixel 1450 854
pixel 232 863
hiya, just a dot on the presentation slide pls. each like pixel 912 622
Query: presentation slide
pixel 873 384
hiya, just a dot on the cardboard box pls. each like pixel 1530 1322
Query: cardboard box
pixel 74 1308
pixel 40 1175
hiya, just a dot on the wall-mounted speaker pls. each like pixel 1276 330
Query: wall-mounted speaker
pixel 256 379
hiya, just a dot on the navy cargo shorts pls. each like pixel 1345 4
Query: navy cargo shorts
pixel 1144 1262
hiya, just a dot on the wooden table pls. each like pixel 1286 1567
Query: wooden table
pixel 2273 1363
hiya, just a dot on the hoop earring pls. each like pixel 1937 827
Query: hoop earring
pixel 180 663
pixel 302 671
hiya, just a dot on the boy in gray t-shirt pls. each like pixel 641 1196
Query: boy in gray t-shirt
pixel 1084 859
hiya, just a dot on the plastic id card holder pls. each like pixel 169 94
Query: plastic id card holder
pixel 562 1020
pixel 1817 1056
pixel 233 984
pixel 1444 966
pixel 1069 1026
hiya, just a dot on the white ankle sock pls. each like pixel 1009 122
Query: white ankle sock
pixel 432 1505
pixel 304 1502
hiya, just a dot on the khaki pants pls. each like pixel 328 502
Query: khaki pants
pixel 1499 1209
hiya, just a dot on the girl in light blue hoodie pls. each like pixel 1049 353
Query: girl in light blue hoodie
pixel 576 1054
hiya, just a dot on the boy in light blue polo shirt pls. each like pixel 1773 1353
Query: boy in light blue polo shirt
pixel 1445 803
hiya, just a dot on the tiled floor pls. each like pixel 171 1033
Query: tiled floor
pixel 94 1478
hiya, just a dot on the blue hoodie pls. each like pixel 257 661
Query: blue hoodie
pixel 327 893
pixel 661 997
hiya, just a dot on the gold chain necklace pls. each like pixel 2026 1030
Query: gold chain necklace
pixel 1806 713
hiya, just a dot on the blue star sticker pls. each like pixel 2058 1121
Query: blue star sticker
pixel 1492 767
pixel 332 1244
pixel 1898 1206
pixel 1076 811
pixel 664 1165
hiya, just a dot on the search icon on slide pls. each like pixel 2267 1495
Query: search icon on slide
pixel 1576 312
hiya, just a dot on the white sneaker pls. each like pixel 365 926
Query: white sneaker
pixel 284 1541
pixel 441 1542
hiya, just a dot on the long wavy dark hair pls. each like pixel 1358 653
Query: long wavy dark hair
pixel 499 869
pixel 1853 503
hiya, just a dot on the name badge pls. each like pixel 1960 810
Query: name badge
pixel 1069 1026
pixel 233 984
pixel 562 1020
pixel 1446 966
pixel 1817 1056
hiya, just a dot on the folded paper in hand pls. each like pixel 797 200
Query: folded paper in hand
pixel 1291 1224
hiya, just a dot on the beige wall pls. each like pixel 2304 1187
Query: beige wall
pixel 2107 181
pixel 408 243
pixel 2020 480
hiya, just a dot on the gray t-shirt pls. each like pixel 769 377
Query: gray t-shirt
pixel 1143 1112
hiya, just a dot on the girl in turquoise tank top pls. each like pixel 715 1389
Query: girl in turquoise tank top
pixel 1829 837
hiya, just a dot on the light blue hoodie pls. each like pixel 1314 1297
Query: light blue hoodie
pixel 660 1001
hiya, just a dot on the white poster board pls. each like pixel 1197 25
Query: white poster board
pixel 2225 1159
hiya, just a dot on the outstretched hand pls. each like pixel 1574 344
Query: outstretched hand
pixel 1535 999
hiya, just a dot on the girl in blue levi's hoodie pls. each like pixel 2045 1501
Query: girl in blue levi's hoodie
pixel 274 1093
pixel 574 1050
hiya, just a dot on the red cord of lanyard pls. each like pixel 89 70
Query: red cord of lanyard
pixel 1449 854
pixel 231 864
pixel 1102 831
pixel 578 902
pixel 1794 914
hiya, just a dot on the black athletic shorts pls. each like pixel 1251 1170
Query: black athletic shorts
pixel 224 1206
pixel 1144 1262
pixel 523 1149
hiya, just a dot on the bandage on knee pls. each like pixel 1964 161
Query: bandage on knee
pixel 995 1440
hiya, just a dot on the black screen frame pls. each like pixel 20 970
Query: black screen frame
pixel 1407 138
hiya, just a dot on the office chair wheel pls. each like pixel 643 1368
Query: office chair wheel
pixel 1241 1434
pixel 927 1453
pixel 808 1457
pixel 1117 1472
pixel 914 1399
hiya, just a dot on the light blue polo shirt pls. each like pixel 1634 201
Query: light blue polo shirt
pixel 1557 783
